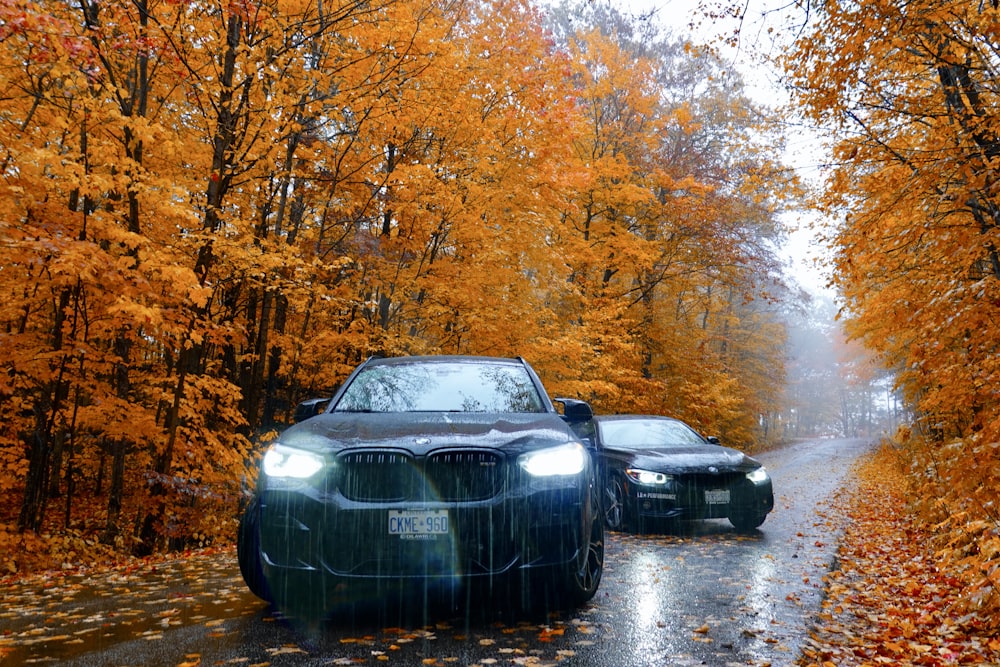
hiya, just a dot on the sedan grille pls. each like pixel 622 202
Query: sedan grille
pixel 447 476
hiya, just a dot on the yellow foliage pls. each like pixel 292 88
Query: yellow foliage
pixel 909 93
pixel 199 233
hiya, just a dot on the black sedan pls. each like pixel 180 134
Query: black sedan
pixel 660 468
pixel 435 472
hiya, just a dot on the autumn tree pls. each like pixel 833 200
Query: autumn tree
pixel 909 91
pixel 211 212
pixel 674 226
pixel 142 286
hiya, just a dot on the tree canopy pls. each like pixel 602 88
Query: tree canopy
pixel 212 212
pixel 909 91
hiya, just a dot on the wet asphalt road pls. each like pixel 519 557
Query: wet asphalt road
pixel 707 596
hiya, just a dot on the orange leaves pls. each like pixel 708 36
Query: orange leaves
pixel 27 552
pixel 646 235
pixel 521 644
pixel 190 255
pixel 892 600
pixel 917 263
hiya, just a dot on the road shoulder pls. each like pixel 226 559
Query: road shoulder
pixel 890 600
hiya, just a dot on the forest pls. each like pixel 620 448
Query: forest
pixel 214 211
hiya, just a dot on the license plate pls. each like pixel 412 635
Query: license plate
pixel 717 497
pixel 410 523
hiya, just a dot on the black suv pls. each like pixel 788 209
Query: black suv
pixel 438 471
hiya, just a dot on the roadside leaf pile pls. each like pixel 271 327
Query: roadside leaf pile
pixel 893 600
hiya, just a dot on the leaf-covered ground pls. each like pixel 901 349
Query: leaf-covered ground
pixel 891 601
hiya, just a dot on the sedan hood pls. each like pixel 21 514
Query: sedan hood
pixel 423 432
pixel 683 459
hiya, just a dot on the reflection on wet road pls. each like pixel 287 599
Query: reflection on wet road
pixel 706 595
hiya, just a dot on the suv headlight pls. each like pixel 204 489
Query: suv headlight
pixel 282 461
pixel 757 476
pixel 568 459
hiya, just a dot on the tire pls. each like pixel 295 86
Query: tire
pixel 583 581
pixel 614 504
pixel 248 551
pixel 746 522
pixel 300 594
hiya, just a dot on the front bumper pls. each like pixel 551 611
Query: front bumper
pixel 689 497
pixel 524 524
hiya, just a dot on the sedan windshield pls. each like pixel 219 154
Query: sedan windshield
pixel 648 434
pixel 441 387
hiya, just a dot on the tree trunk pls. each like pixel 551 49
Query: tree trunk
pixel 274 363
pixel 39 442
pixel 56 463
pixel 35 489
pixel 112 527
pixel 152 523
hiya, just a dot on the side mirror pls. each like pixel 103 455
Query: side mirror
pixel 310 408
pixel 575 410
pixel 713 440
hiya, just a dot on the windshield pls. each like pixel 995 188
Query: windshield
pixel 647 434
pixel 442 387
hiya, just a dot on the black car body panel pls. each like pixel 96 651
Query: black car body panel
pixel 681 460
pixel 423 432
pixel 428 495
pixel 697 478
pixel 464 463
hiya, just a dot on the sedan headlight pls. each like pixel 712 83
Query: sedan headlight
pixel 569 459
pixel 648 476
pixel 282 461
pixel 757 476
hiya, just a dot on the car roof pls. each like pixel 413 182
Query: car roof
pixel 634 417
pixel 442 358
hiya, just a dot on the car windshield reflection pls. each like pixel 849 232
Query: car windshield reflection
pixel 639 434
pixel 441 387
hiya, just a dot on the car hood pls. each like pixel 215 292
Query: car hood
pixel 422 432
pixel 686 459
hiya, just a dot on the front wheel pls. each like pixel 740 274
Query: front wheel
pixel 583 581
pixel 614 503
pixel 248 551
pixel 747 521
